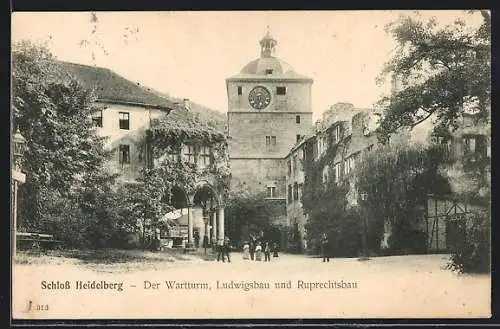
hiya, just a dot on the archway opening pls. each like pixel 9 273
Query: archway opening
pixel 205 204
pixel 173 228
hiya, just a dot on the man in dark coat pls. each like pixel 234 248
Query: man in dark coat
pixel 252 249
pixel 220 250
pixel 226 249
pixel 324 248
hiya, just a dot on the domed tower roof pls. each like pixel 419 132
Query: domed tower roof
pixel 267 65
pixel 261 66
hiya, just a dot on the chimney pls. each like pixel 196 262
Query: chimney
pixel 318 125
pixel 187 104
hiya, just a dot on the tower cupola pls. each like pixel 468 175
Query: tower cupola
pixel 267 45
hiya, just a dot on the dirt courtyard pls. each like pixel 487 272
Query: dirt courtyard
pixel 290 286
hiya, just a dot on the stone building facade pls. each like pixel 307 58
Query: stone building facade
pixel 269 109
pixel 343 125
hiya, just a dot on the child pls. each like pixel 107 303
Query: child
pixel 275 250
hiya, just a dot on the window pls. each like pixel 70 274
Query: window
pixel 337 172
pixel 97 119
pixel 321 145
pixel 470 144
pixel 337 133
pixel 300 191
pixel 297 137
pixel 173 154
pixel 205 157
pixel 140 157
pixel 188 153
pixel 271 192
pixel 297 119
pixel 269 71
pixel 271 140
pixel 295 191
pixel 369 148
pixel 348 165
pixel 124 154
pixel 281 90
pixel 294 162
pixel 324 176
pixel 476 145
pixel 240 90
pixel 289 162
pixel 290 193
pixel 124 120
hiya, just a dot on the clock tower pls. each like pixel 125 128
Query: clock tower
pixel 269 109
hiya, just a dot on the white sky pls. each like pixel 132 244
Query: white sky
pixel 190 54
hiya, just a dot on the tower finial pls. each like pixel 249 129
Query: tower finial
pixel 267 44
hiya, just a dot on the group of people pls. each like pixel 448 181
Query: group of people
pixel 253 250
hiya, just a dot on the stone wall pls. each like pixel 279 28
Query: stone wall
pixel 297 98
pixel 248 131
pixel 255 175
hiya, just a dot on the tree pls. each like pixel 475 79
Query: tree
pixel 444 71
pixel 397 179
pixel 64 154
pixel 251 211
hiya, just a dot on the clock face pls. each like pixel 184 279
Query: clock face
pixel 259 98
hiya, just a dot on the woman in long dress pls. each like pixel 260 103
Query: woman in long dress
pixel 246 250
pixel 258 252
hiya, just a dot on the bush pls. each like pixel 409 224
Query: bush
pixel 472 253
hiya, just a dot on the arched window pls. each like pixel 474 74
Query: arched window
pixel 295 191
pixel 325 177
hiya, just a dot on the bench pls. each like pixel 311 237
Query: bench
pixel 37 241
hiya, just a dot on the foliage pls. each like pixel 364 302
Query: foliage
pixel 327 207
pixel 445 72
pixel 167 137
pixel 63 150
pixel 472 254
pixel 396 180
pixel 68 191
pixel 252 211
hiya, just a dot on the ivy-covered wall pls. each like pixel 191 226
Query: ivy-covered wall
pixel 179 166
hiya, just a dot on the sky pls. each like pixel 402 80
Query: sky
pixel 190 54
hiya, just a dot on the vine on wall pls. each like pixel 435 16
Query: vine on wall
pixel 167 137
pixel 325 203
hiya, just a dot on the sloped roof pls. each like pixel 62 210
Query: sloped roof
pixel 111 87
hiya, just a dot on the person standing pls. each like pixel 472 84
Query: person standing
pixel 267 252
pixel 324 248
pixel 258 252
pixel 226 249
pixel 275 250
pixel 252 248
pixel 220 250
pixel 246 250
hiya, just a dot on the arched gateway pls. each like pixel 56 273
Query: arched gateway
pixel 202 210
